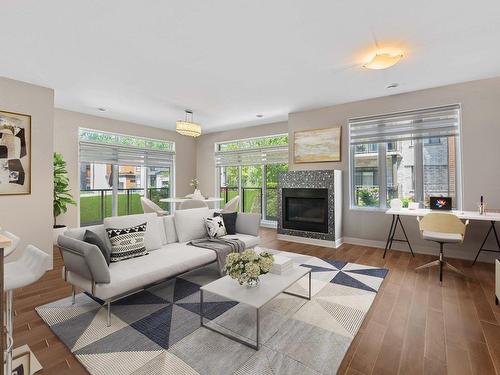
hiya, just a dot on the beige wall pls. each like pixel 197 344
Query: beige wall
pixel 480 153
pixel 30 216
pixel 205 161
pixel 66 124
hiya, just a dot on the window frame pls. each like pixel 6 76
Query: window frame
pixel 417 145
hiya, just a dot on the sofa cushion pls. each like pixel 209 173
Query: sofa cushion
pixel 161 229
pixel 127 243
pixel 190 224
pixel 169 226
pixel 94 239
pixel 248 223
pixel 249 240
pixel 152 238
pixel 170 260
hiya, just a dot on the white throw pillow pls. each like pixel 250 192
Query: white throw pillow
pixel 215 226
pixel 152 238
pixel 190 224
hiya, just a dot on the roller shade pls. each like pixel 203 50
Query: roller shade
pixel 265 155
pixel 124 155
pixel 426 123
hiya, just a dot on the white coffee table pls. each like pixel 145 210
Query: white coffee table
pixel 270 286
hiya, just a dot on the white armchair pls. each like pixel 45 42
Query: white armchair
pixel 148 206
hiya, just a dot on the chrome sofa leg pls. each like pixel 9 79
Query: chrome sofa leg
pixel 73 295
pixel 108 318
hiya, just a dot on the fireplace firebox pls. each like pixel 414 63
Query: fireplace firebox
pixel 305 209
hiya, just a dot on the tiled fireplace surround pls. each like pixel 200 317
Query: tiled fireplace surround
pixel 318 179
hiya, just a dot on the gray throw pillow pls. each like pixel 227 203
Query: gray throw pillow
pixel 229 220
pixel 94 239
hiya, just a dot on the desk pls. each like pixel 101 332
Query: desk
pixel 4 242
pixel 492 217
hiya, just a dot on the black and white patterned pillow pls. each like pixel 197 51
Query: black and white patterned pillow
pixel 127 243
pixel 215 226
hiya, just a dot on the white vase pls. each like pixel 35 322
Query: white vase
pixel 197 195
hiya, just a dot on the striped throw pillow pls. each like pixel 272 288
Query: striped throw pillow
pixel 127 243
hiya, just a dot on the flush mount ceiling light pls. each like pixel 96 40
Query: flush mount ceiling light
pixel 187 126
pixel 383 60
pixel 392 85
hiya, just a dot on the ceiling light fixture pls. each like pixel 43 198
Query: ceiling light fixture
pixel 100 109
pixel 187 126
pixel 383 61
pixel 259 116
pixel 392 85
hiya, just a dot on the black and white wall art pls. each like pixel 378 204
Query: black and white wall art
pixel 15 153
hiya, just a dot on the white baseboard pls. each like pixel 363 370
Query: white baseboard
pixel 310 241
pixel 456 252
pixel 269 224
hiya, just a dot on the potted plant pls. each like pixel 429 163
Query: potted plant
pixel 62 195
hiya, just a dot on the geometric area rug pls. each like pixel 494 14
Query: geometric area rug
pixel 157 331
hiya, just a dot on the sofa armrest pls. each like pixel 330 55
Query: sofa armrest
pixel 248 223
pixel 84 259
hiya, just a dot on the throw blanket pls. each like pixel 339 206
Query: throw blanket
pixel 221 246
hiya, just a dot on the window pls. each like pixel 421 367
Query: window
pixel 250 168
pixel 117 170
pixel 411 155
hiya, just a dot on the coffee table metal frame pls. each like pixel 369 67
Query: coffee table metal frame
pixel 237 339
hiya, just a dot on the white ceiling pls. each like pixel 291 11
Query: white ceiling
pixel 228 60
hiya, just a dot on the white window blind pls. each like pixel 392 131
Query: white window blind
pixel 263 155
pixel 151 153
pixel 425 123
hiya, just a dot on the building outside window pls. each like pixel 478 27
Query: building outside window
pixel 117 170
pixel 411 156
pixel 250 168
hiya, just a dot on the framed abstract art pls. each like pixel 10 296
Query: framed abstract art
pixel 15 153
pixel 319 145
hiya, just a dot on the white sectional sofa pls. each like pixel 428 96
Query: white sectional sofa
pixel 165 239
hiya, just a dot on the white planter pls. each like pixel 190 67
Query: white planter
pixel 57 231
pixel 197 195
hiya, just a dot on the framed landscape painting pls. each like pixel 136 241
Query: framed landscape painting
pixel 15 153
pixel 319 145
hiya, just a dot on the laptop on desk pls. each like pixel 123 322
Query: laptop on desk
pixel 440 203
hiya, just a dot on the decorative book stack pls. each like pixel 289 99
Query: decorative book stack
pixel 281 265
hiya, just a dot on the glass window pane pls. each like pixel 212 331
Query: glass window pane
pixel 440 173
pixel 272 172
pixel 366 175
pixel 131 184
pixel 251 188
pixel 95 192
pixel 159 186
pixel 228 183
pixel 401 171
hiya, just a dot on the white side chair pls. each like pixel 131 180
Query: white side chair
pixel 192 203
pixel 441 228
pixel 148 206
pixel 232 205
pixel 18 274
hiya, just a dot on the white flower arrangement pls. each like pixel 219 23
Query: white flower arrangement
pixel 248 266
pixel 194 183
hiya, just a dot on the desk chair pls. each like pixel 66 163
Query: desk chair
pixel 441 228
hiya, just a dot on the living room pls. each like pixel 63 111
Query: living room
pixel 352 166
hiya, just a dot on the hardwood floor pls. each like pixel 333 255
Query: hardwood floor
pixel 414 326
